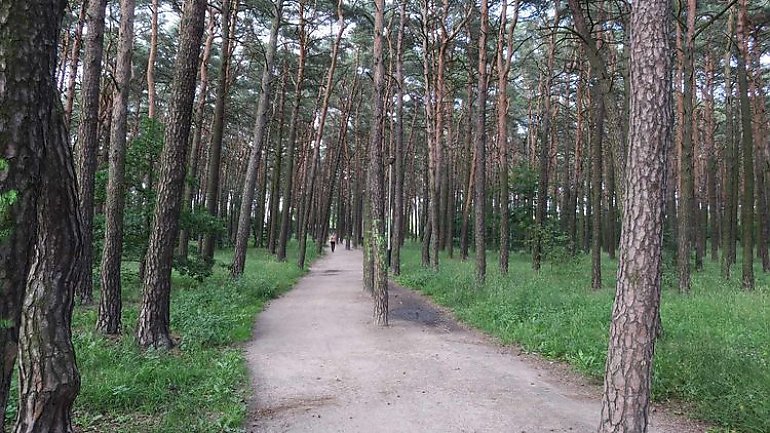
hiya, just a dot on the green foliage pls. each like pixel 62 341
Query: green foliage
pixel 714 354
pixel 7 199
pixel 201 385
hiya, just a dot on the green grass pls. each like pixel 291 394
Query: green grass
pixel 201 386
pixel 714 356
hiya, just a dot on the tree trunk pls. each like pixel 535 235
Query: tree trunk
pixel 480 148
pixel 252 170
pixel 599 89
pixel 627 381
pixel 376 177
pixel 731 165
pixel 275 189
pixel 712 171
pixel 109 319
pixel 151 59
pixel 74 61
pixel 504 67
pixel 217 132
pixel 747 141
pixel 289 185
pixel 310 184
pixel 31 140
pixel 686 175
pixel 398 152
pixel 153 328
pixel 88 141
pixel 48 377
pixel 191 187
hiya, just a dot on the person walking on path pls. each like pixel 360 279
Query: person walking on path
pixel 333 240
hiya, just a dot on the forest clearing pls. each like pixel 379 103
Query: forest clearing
pixel 577 184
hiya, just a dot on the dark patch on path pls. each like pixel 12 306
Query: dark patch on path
pixel 411 307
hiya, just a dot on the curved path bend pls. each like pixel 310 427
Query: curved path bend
pixel 319 365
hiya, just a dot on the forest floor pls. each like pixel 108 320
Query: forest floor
pixel 318 364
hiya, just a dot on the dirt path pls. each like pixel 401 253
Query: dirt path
pixel 319 365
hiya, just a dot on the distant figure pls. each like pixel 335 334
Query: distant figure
pixel 333 240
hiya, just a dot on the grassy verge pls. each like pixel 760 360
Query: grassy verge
pixel 201 385
pixel 715 354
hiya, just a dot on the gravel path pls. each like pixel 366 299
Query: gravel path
pixel 319 365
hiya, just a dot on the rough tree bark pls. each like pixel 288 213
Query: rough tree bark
pixel 191 187
pixel 88 140
pixel 153 328
pixel 29 64
pixel 376 177
pixel 632 332
pixel 109 319
pixel 214 167
pixel 252 170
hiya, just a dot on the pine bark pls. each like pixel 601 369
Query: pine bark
pixel 74 62
pixel 398 152
pixel 252 170
pixel 376 176
pixel 88 141
pixel 747 144
pixel 480 148
pixel 109 318
pixel 193 159
pixel 625 401
pixel 292 140
pixel 504 60
pixel 686 210
pixel 153 328
pixel 598 91
pixel 729 219
pixel 151 58
pixel 217 131
pixel 29 64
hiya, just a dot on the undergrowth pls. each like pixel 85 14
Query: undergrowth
pixel 201 386
pixel 714 356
